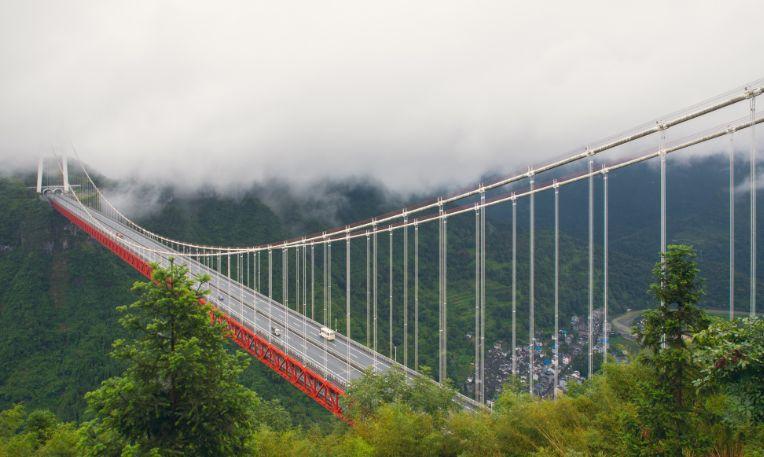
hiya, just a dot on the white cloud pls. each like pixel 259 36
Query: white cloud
pixel 415 94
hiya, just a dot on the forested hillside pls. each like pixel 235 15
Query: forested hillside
pixel 693 389
pixel 60 288
pixel 57 312
pixel 697 211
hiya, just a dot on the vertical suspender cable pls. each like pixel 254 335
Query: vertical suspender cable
pixel 374 291
pixel 445 298
pixel 228 283
pixel 240 273
pixel 440 294
pixel 483 213
pixel 405 292
pixel 731 152
pixel 753 209
pixel 443 314
pixel 347 305
pixel 285 255
pixel 390 301
pixel 270 273
pixel 270 292
pixel 663 191
pixel 514 284
pixel 304 278
pixel 347 288
pixel 663 202
pixel 477 303
pixel 325 287
pixel 329 285
pixel 591 269
pixel 297 278
pixel 254 295
pixel 416 295
pixel 605 265
pixel 368 291
pixel 532 286
pixel 325 283
pixel 304 297
pixel 312 281
pixel 285 276
pixel 556 289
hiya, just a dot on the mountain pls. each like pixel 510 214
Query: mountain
pixel 57 306
pixel 58 318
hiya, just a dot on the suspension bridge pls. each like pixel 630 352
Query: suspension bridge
pixel 318 356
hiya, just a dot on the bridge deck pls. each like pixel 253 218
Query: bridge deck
pixel 339 361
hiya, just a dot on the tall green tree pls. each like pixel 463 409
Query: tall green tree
pixel 666 401
pixel 179 394
pixel 677 290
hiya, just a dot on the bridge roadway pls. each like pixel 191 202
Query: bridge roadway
pixel 339 361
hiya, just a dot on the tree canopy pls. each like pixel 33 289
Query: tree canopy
pixel 179 394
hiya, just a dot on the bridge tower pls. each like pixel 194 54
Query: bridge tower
pixel 40 163
pixel 65 172
pixel 63 166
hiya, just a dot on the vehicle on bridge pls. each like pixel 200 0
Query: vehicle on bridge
pixel 276 331
pixel 327 333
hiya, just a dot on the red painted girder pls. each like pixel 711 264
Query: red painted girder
pixel 313 385
pixel 316 387
pixel 128 256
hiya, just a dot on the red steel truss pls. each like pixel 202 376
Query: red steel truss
pixel 314 386
pixel 122 252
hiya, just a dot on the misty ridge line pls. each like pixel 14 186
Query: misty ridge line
pixel 613 143
pixel 325 204
pixel 321 204
pixel 608 146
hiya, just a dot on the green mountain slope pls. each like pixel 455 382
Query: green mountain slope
pixel 57 313
pixel 57 316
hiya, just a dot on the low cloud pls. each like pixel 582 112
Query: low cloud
pixel 135 200
pixel 416 95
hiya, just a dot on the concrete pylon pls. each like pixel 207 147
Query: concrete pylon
pixel 39 175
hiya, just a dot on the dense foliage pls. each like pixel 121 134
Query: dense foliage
pixel 57 312
pixel 694 390
pixel 57 309
pixel 179 393
pixel 57 306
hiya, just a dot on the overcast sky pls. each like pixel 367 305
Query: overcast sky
pixel 412 93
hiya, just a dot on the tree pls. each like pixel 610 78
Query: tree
pixel 677 288
pixel 367 394
pixel 39 433
pixel 731 358
pixel 396 430
pixel 666 399
pixel 179 394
